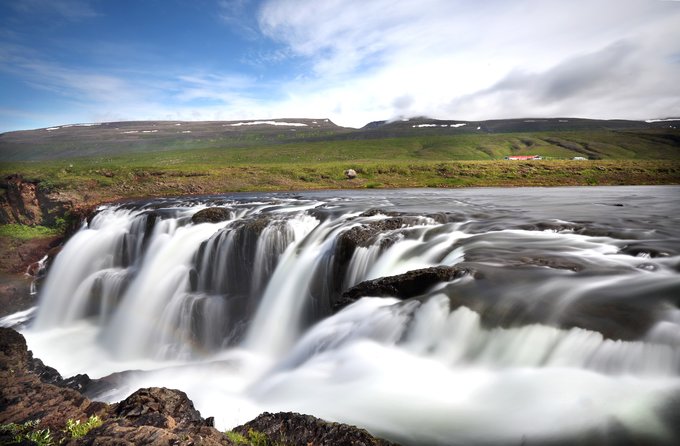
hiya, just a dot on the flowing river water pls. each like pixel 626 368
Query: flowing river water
pixel 565 326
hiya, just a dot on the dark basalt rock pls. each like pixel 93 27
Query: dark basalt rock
pixel 366 234
pixel 146 407
pixel 373 212
pixel 552 262
pixel 296 429
pixel 403 286
pixel 255 226
pixel 211 215
pixel 643 250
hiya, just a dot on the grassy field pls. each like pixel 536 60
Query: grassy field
pixel 96 180
pixel 425 159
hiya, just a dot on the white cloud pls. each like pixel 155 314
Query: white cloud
pixel 456 59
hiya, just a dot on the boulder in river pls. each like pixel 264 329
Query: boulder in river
pixel 211 215
pixel 296 429
pixel 403 286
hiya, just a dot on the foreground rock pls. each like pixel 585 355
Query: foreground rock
pixel 24 397
pixel 403 286
pixel 293 429
pixel 152 416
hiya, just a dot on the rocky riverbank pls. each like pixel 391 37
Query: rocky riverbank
pixel 37 404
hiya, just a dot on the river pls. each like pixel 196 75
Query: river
pixel 563 327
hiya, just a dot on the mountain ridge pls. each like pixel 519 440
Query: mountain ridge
pixel 131 137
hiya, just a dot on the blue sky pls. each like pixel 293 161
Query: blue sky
pixel 77 61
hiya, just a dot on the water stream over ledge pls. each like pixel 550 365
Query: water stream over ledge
pixel 567 327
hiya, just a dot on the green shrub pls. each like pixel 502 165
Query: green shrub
pixel 254 438
pixel 27 432
pixel 258 438
pixel 76 429
pixel 236 438
pixel 41 437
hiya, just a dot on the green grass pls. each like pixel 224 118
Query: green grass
pixel 24 232
pixel 423 160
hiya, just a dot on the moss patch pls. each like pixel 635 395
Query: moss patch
pixel 23 232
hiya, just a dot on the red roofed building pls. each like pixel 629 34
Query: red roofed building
pixel 523 157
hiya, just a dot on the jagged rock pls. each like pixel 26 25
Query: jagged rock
pixel 24 397
pixel 142 406
pixel 13 351
pixel 46 374
pixel 296 429
pixel 403 286
pixel 211 215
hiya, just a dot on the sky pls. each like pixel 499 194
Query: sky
pixel 352 61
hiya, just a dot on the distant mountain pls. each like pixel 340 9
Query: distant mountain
pixel 520 125
pixel 110 138
pixel 120 138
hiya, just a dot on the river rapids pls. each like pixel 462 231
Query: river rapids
pixel 565 327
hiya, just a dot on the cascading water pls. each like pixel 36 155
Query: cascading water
pixel 564 325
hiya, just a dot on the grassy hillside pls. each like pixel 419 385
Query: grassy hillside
pixel 307 140
pixel 106 162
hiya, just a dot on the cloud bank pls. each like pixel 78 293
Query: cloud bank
pixel 487 59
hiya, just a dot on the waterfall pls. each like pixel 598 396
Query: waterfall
pixel 555 328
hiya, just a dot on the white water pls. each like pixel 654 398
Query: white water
pixel 417 373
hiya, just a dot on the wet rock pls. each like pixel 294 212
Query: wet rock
pixel 211 215
pixel 403 286
pixel 642 250
pixel 555 226
pixel 367 234
pixel 150 220
pixel 552 262
pixel 375 211
pixel 296 429
pixel 254 226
